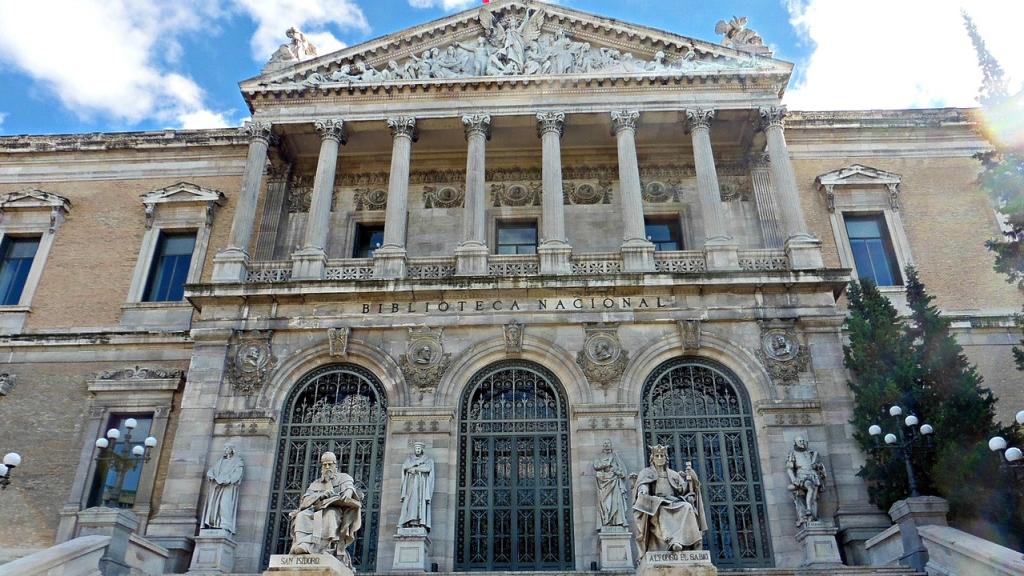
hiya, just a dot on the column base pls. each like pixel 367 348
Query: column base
pixel 389 262
pixel 231 265
pixel 637 256
pixel 721 256
pixel 471 259
pixel 818 541
pixel 214 552
pixel 616 548
pixel 411 545
pixel 554 257
pixel 804 253
pixel 309 264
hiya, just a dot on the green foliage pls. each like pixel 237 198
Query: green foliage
pixel 915 362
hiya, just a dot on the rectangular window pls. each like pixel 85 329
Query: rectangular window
pixel 18 254
pixel 872 251
pixel 105 490
pixel 517 238
pixel 369 237
pixel 664 233
pixel 169 270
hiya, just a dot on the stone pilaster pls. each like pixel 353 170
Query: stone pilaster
pixel 231 263
pixel 803 249
pixel 767 210
pixel 310 261
pixel 471 253
pixel 719 248
pixel 637 251
pixel 554 250
pixel 390 258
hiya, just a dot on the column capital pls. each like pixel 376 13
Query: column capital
pixel 624 120
pixel 550 122
pixel 773 117
pixel 700 118
pixel 403 126
pixel 332 129
pixel 257 130
pixel 477 124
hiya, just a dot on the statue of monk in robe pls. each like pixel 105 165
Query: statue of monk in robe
pixel 329 513
pixel 667 507
pixel 223 479
pixel 417 489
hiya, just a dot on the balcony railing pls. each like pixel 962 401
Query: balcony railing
pixel 510 266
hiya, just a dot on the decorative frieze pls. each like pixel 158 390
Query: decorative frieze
pixel 371 198
pixel 781 353
pixel 599 193
pixel 337 339
pixel 735 188
pixel 602 359
pixel 251 359
pixel 658 192
pixel 786 413
pixel 232 423
pixel 300 193
pixel 453 196
pixel 526 194
pixel 425 361
pixel 140 373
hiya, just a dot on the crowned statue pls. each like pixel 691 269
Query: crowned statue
pixel 668 507
pixel 329 513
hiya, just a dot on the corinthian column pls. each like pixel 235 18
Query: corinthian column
pixel 230 264
pixel 554 250
pixel 471 254
pixel 310 262
pixel 803 249
pixel 389 260
pixel 637 251
pixel 719 248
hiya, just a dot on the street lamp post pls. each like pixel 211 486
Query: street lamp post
pixel 1012 458
pixel 129 460
pixel 11 461
pixel 904 441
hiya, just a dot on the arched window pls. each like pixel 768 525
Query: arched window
pixel 696 408
pixel 514 493
pixel 339 408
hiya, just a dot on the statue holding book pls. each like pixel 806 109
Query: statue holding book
pixel 329 513
pixel 668 507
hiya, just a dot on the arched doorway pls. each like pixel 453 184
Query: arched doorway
pixel 514 492
pixel 699 410
pixel 339 408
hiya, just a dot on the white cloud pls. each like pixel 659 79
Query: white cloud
pixel 899 53
pixel 274 17
pixel 445 4
pixel 108 57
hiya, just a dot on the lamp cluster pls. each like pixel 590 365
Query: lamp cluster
pixel 1012 456
pixel 123 463
pixel 11 461
pixel 907 436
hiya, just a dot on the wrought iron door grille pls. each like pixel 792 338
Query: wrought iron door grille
pixel 695 407
pixel 339 408
pixel 514 494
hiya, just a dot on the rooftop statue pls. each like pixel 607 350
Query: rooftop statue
pixel 298 49
pixel 737 35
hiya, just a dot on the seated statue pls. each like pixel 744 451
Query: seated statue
pixel 329 513
pixel 667 507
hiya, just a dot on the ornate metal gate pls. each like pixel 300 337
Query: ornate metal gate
pixel 339 408
pixel 695 407
pixel 514 493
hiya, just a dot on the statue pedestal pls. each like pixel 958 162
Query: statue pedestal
pixel 214 552
pixel 818 541
pixel 685 563
pixel 307 565
pixel 616 548
pixel 411 546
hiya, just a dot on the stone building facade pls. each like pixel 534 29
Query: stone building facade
pixel 606 231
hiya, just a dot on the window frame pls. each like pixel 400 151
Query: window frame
pixel 887 242
pixel 5 241
pixel 674 222
pixel 94 488
pixel 161 242
pixel 500 222
pixel 359 226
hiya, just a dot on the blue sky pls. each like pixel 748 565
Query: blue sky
pixel 110 65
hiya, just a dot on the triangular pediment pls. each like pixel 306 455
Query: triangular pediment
pixel 183 192
pixel 517 41
pixel 33 199
pixel 858 175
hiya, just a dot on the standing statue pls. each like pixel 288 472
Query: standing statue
pixel 806 477
pixel 297 49
pixel 329 513
pixel 668 507
pixel 417 489
pixel 223 479
pixel 611 488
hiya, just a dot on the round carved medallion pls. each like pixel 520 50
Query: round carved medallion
pixel 424 352
pixel 779 345
pixel 603 349
pixel 252 357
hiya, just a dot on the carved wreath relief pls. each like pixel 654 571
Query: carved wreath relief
pixel 251 360
pixel 371 199
pixel 425 361
pixel 600 193
pixel 525 194
pixel 782 354
pixel 443 196
pixel 602 359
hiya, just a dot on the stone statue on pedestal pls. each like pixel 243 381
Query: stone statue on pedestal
pixel 668 507
pixel 417 489
pixel 806 477
pixel 611 488
pixel 223 479
pixel 329 513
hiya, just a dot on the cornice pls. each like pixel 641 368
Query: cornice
pixel 906 118
pixel 102 141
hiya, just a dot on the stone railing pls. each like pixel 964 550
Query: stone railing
pixel 431 268
pixel 349 269
pixel 270 271
pixel 513 265
pixel 763 260
pixel 596 263
pixel 78 557
pixel 680 261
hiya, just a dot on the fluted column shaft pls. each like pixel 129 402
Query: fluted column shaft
pixel 471 255
pixel 332 134
pixel 554 250
pixel 712 213
pixel 794 225
pixel 637 252
pixel 403 131
pixel 255 164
